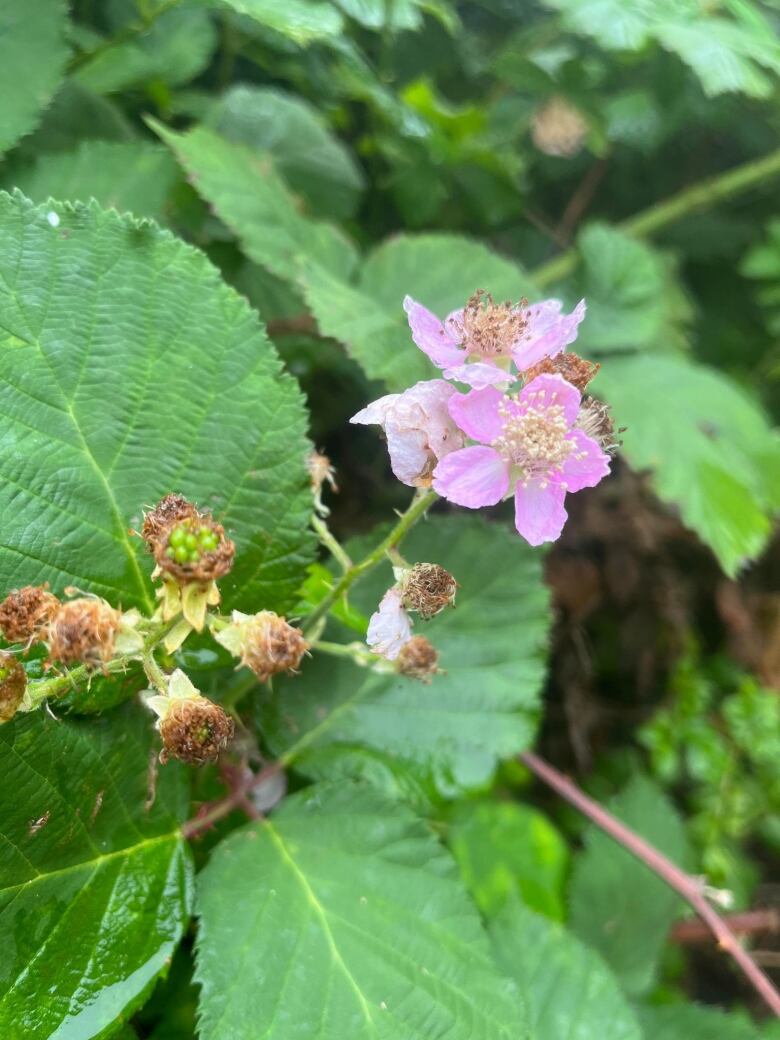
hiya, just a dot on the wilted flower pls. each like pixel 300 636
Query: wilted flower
pixel 89 630
pixel 418 428
pixel 13 683
pixel 264 642
pixel 571 366
pixel 478 344
pixel 418 659
pixel 25 611
pixel 193 728
pixel 558 128
pixel 321 472
pixel 390 626
pixel 529 444
pixel 427 589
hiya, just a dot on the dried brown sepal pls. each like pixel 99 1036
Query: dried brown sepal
pixel 571 366
pixel 595 420
pixel 195 730
pixel 428 589
pixel 186 543
pixel 13 683
pixel 83 630
pixel 321 471
pixel 418 659
pixel 25 611
pixel 168 512
pixel 270 645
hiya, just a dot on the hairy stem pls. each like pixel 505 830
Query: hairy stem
pixel 700 196
pixel 333 546
pixel 686 886
pixel 421 502
pixel 356 652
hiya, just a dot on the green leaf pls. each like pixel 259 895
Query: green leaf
pixel 295 136
pixel 254 202
pixel 763 264
pixel 618 905
pixel 130 370
pixel 75 115
pixel 707 445
pixel 32 59
pixel 506 849
pixel 304 21
pixel 95 878
pixel 341 916
pixel 692 1022
pixel 129 176
pixel 440 271
pixel 492 648
pixel 568 989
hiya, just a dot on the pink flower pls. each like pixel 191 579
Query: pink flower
pixel 477 344
pixel 528 444
pixel 418 427
pixel 390 627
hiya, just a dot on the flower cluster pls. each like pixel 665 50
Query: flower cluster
pixel 524 428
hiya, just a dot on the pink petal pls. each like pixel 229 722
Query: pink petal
pixel 479 374
pixel 587 464
pixel 376 412
pixel 552 389
pixel 476 413
pixel 389 627
pixel 472 477
pixel 548 332
pixel 539 511
pixel 431 336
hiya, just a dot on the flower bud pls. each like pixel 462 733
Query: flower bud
pixel 25 611
pixel 558 128
pixel 418 659
pixel 264 642
pixel 427 589
pixel 193 728
pixel 13 683
pixel 571 366
pixel 91 631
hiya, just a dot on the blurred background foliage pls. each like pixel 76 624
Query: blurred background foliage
pixel 330 157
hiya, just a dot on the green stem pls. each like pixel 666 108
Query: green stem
pixel 356 652
pixel 154 672
pixel 125 35
pixel 330 542
pixel 421 502
pixel 700 196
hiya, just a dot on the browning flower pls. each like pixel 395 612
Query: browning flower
pixel 418 659
pixel 571 366
pixel 264 642
pixel 321 472
pixel 85 630
pixel 427 589
pixel 192 728
pixel 25 611
pixel 595 421
pixel 13 683
pixel 169 511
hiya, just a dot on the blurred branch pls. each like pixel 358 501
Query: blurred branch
pixel 292 326
pixel 125 35
pixel 701 196
pixel 580 200
pixel 686 886
pixel 751 922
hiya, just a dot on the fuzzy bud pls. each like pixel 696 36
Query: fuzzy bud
pixel 186 543
pixel 13 683
pixel 427 589
pixel 25 611
pixel 192 728
pixel 91 631
pixel 571 366
pixel 264 642
pixel 418 659
pixel 558 128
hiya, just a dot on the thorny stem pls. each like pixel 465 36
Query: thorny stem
pixel 125 35
pixel 154 672
pixel 225 806
pixel 690 200
pixel 688 887
pixel 325 535
pixel 421 502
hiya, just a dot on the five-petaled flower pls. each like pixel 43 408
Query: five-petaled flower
pixel 529 444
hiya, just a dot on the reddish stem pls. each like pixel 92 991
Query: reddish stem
pixel 210 813
pixel 685 885
pixel 749 922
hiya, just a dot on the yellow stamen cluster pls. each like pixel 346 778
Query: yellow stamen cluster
pixel 534 440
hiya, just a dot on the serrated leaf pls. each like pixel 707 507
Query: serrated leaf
pixel 75 115
pixel 341 916
pixel 95 878
pixel 618 905
pixel 507 850
pixel 568 989
pixel 707 445
pixel 441 271
pixel 130 370
pixel 294 135
pixel 255 203
pixel 303 21
pixel 129 176
pixel 484 707
pixel 32 59
pixel 693 1022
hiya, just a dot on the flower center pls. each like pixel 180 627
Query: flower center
pixel 535 440
pixel 491 329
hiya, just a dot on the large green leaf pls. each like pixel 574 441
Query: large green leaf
pixel 303 21
pixel 484 707
pixel 252 199
pixel 440 271
pixel 568 989
pixel 95 878
pixel 693 1022
pixel 129 176
pixel 296 137
pixel 618 905
pixel 341 916
pixel 506 849
pixel 32 59
pixel 75 115
pixel 707 445
pixel 129 370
